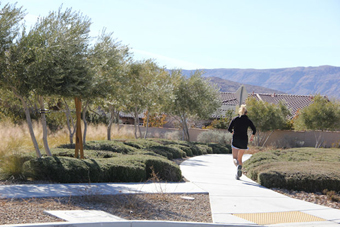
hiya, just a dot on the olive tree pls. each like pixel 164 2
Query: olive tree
pixel 319 116
pixel 266 117
pixel 157 85
pixel 109 60
pixel 13 61
pixel 137 90
pixel 193 97
pixel 58 45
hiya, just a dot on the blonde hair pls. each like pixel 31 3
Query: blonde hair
pixel 242 110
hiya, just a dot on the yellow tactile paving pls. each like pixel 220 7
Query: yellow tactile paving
pixel 279 217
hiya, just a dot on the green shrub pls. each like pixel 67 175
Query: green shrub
pixel 167 141
pixel 204 149
pixel 168 151
pixel 303 176
pixel 176 151
pixel 62 152
pixel 57 169
pixel 220 149
pixel 214 136
pixel 116 161
pixel 306 169
pixel 126 168
pixel 195 149
pixel 175 135
pixel 141 143
pixel 120 170
pixel 72 170
pixel 186 149
pixel 256 163
pixel 109 145
pixel 165 170
pixel 88 154
pixel 67 146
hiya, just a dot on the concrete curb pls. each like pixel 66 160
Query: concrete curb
pixel 126 224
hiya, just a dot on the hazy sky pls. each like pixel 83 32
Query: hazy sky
pixel 192 34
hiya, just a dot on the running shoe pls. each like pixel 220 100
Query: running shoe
pixel 239 171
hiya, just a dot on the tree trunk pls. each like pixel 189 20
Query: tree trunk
pixel 44 125
pixel 29 124
pixel 185 128
pixel 260 138
pixel 138 126
pixel 109 127
pixel 79 142
pixel 85 122
pixel 135 122
pixel 267 138
pixel 147 125
pixel 318 139
pixel 69 121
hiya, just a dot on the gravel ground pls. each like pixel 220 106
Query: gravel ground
pixel 317 198
pixel 170 207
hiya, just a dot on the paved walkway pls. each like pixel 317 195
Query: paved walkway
pixel 233 202
pixel 231 198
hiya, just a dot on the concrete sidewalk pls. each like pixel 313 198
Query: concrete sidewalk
pixel 233 202
pixel 232 199
pixel 60 190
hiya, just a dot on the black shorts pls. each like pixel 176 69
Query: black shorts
pixel 239 143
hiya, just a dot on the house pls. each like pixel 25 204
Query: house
pixel 128 118
pixel 293 102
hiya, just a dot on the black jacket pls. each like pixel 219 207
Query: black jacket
pixel 239 125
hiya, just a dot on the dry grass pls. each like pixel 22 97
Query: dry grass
pixel 16 138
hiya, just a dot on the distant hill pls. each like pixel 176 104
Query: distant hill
pixel 231 86
pixel 324 80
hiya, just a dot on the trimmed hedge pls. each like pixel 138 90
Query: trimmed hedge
pixel 193 148
pixel 186 149
pixel 141 143
pixel 204 149
pixel 110 145
pixel 168 151
pixel 129 168
pixel 306 169
pixel 304 176
pixel 190 148
pixel 220 149
pixel 89 154
pixel 164 169
pixel 112 161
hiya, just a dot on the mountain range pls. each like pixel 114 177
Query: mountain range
pixel 324 80
pixel 231 86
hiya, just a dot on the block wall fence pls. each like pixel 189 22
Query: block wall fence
pixel 277 138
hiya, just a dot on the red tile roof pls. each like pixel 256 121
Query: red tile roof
pixel 293 102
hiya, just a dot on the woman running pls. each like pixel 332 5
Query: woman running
pixel 239 128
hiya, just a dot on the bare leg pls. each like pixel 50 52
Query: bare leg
pixel 240 155
pixel 235 152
